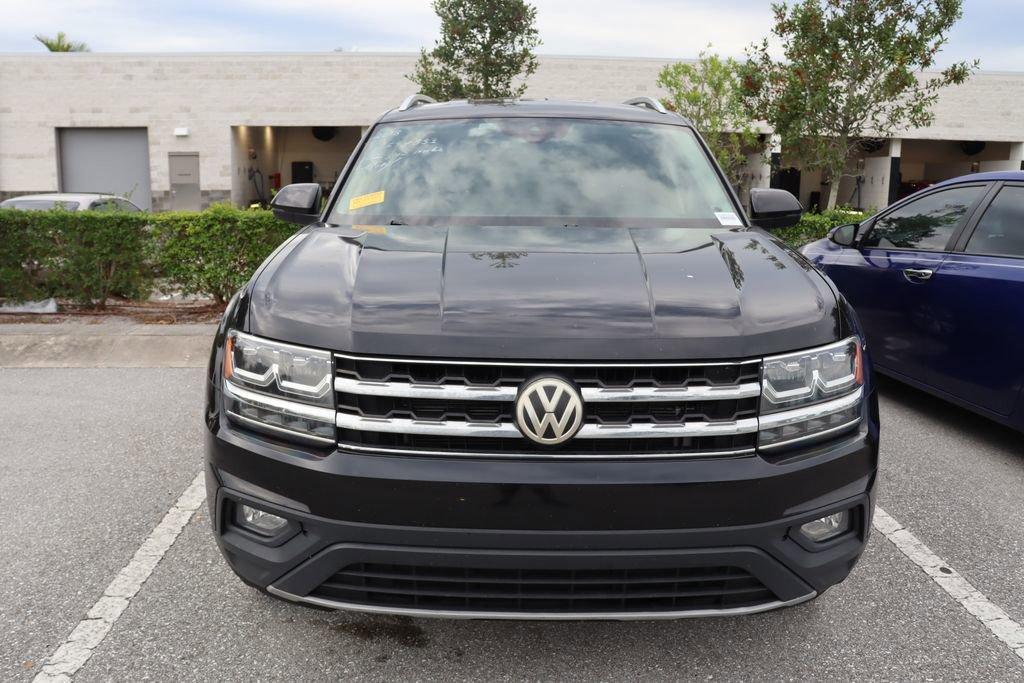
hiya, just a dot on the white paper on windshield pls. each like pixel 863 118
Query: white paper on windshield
pixel 728 218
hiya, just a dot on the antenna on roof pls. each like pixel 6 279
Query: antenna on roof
pixel 414 101
pixel 648 102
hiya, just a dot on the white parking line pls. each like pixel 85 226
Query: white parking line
pixel 960 589
pixel 74 652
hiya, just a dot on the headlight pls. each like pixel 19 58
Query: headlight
pixel 811 393
pixel 283 389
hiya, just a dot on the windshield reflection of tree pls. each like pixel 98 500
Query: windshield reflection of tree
pixel 910 231
pixel 529 168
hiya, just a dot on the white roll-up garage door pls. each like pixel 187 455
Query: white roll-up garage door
pixel 114 160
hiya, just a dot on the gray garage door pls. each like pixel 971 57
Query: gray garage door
pixel 114 160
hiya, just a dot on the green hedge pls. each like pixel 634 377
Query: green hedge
pixel 88 256
pixel 814 226
pixel 214 251
pixel 84 256
pixel 21 249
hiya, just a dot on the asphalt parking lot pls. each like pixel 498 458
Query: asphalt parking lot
pixel 93 458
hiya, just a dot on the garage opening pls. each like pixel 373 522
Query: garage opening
pixel 265 158
pixel 926 162
pixel 866 184
pixel 109 160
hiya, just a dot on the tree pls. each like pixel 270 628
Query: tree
pixel 485 45
pixel 60 43
pixel 709 93
pixel 852 72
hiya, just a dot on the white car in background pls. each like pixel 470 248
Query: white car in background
pixel 70 201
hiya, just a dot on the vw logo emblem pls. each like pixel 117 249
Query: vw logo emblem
pixel 549 411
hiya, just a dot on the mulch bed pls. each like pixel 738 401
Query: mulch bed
pixel 147 312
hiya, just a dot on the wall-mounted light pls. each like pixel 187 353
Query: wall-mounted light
pixel 181 132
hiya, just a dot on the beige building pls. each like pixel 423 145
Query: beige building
pixel 185 130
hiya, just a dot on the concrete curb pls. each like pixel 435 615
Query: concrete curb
pixel 107 344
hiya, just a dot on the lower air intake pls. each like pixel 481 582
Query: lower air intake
pixel 569 591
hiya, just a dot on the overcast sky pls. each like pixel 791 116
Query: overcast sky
pixel 990 29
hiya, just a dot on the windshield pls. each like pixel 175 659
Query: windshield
pixel 38 204
pixel 534 171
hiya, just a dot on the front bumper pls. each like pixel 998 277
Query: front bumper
pixel 429 536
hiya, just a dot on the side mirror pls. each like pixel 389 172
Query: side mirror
pixel 298 203
pixel 844 235
pixel 773 209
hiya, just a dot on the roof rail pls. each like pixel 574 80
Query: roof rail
pixel 414 101
pixel 648 102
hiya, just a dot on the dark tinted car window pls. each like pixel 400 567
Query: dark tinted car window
pixel 926 223
pixel 531 171
pixel 1001 229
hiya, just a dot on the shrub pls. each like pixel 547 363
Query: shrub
pixel 83 256
pixel 814 226
pixel 21 249
pixel 95 255
pixel 89 256
pixel 214 251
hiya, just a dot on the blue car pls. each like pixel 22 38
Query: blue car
pixel 938 282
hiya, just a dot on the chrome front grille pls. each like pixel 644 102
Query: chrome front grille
pixel 467 407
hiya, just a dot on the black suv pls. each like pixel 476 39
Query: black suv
pixel 532 360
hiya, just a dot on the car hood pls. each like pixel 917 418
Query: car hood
pixel 542 293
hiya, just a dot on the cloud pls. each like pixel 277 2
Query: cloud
pixel 643 28
pixel 121 26
pixel 650 28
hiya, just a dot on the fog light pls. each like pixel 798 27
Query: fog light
pixel 261 522
pixel 827 527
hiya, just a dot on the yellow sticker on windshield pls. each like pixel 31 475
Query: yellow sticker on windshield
pixel 366 200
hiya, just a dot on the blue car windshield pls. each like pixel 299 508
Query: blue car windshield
pixel 534 172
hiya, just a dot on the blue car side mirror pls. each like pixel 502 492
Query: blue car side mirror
pixel 844 235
